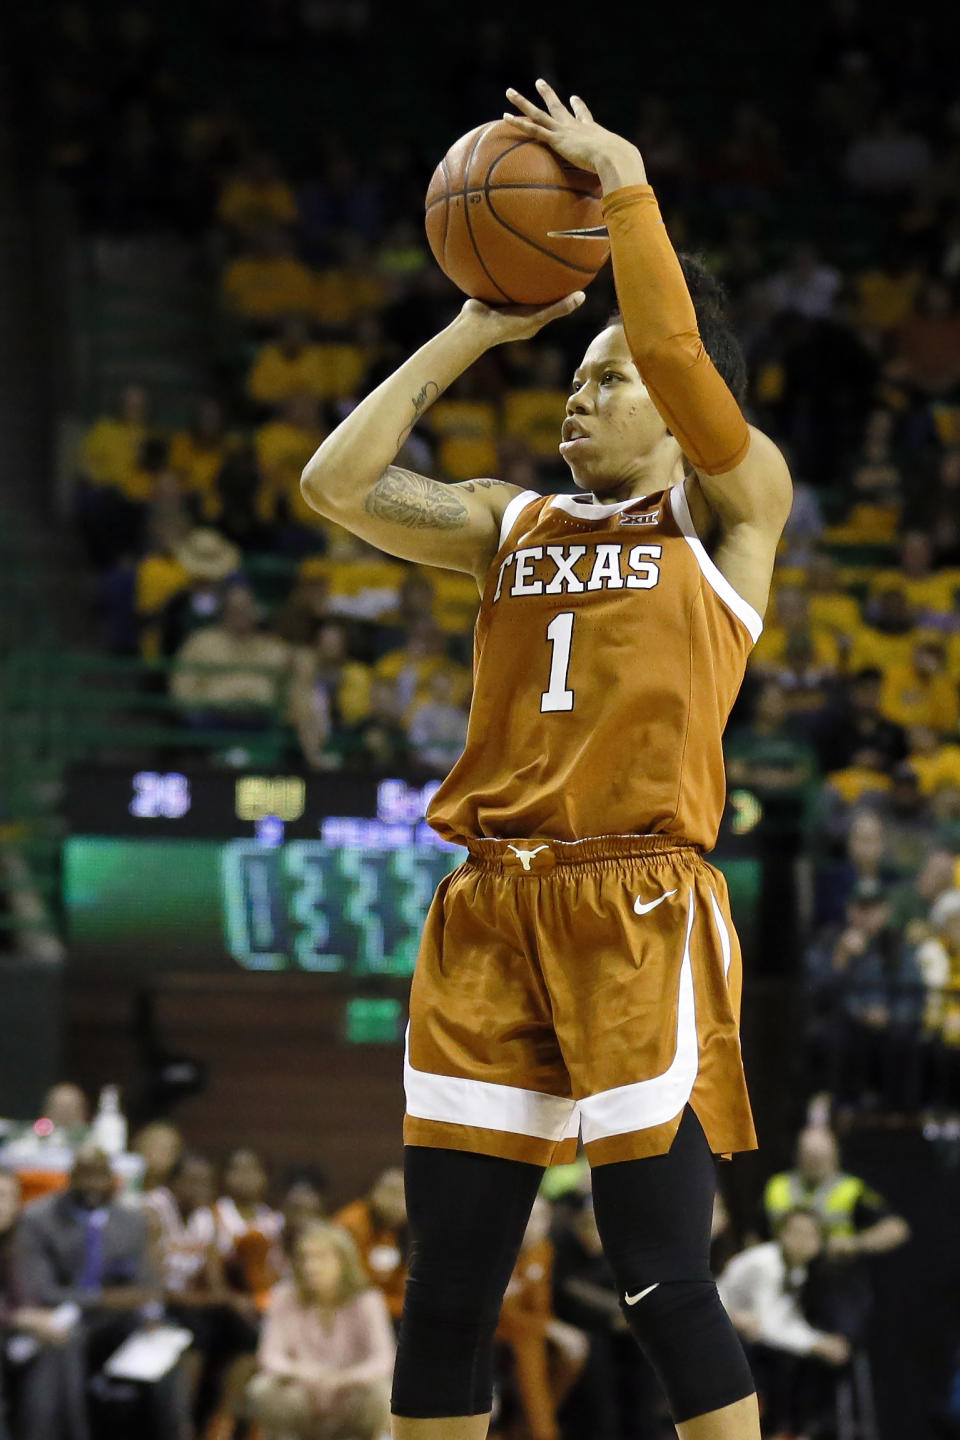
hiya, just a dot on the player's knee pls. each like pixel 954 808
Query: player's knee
pixel 686 1334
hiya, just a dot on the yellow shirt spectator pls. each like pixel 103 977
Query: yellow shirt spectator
pixel 466 433
pixel 283 448
pixel 886 300
pixel 267 287
pixel 535 416
pixel 250 200
pixel 340 295
pixel 919 693
pixel 937 769
pixel 110 451
pixel 327 372
pixel 771 648
pixel 874 649
pixel 856 781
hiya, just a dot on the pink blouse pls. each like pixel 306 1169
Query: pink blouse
pixel 350 1345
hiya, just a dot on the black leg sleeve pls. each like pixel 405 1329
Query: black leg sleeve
pixel 466 1216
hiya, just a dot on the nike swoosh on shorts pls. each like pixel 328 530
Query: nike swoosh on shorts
pixel 642 909
pixel 632 1299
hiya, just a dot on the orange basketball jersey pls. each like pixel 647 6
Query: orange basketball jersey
pixel 608 652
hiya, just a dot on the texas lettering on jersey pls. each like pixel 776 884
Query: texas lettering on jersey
pixel 571 569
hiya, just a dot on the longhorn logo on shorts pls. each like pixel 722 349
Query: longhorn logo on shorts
pixel 525 856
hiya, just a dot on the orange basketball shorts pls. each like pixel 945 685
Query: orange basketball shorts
pixel 565 989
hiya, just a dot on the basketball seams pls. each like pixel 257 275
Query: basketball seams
pixel 511 185
pixel 466 217
pixel 446 213
pixel 535 245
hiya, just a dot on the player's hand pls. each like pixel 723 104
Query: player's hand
pixel 575 135
pixel 496 324
pixel 834 1349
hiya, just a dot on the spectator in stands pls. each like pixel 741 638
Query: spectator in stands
pixel 858 1226
pixel 927 360
pixel 938 960
pixel 305 1199
pixel 236 503
pixel 198 454
pixel 865 992
pixel 32 1333
pixel 231 673
pixel 189 595
pixel 248 1229
pixel 805 286
pixel 184 1236
pixel 762 1289
pixel 66 1107
pixel 256 195
pixel 327 1350
pixel 865 859
pixel 913 899
pixel 928 588
pixel 306 607
pixel 378 1224
pixel 853 722
pixel 289 366
pixel 936 765
pixel 888 636
pixel 546 1354
pixel 438 727
pixel 792 627
pixel 269 282
pixel 160 1144
pixel 920 692
pixel 379 742
pixel 770 754
pixel 110 449
pixel 284 445
pixel 82 1249
pixel 330 691
pixel 411 666
pixel 908 819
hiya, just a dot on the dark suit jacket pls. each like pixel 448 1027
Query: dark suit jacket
pixel 50 1249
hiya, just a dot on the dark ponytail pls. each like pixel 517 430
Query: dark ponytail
pixel 713 321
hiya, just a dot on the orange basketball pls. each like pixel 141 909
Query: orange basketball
pixel 492 207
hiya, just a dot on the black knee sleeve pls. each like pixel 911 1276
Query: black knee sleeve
pixel 654 1219
pixel 687 1336
pixel 467 1214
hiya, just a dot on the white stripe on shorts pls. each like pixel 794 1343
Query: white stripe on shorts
pixel 454 1100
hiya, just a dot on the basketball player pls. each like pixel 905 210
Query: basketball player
pixel 579 973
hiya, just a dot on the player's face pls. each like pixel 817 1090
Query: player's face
pixel 612 427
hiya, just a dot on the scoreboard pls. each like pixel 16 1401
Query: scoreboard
pixel 220 870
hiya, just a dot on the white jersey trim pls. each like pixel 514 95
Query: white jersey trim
pixel 646 1103
pixel 455 1100
pixel 517 504
pixel 717 582
pixel 591 510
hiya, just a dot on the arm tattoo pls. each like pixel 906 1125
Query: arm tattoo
pixel 424 397
pixel 414 501
pixel 471 485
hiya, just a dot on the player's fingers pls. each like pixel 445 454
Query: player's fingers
pixel 552 101
pixel 527 106
pixel 530 127
pixel 580 108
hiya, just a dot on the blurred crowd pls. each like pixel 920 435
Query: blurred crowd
pixel 279 1314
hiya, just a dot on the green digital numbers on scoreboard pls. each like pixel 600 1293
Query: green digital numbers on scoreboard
pixel 314 907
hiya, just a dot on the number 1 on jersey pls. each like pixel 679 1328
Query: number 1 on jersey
pixel 560 634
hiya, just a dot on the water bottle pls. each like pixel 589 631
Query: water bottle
pixel 109 1127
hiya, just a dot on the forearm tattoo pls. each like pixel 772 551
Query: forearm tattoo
pixel 414 501
pixel 421 401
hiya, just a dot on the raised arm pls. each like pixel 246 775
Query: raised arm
pixel 351 479
pixel 742 490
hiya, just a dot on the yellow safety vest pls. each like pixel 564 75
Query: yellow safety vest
pixel 834 1202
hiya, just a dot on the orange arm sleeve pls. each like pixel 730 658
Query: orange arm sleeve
pixel 661 328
